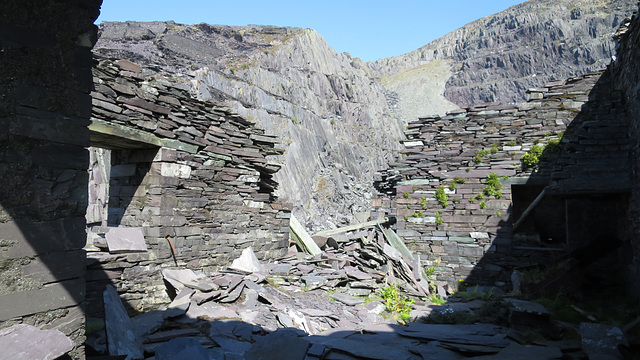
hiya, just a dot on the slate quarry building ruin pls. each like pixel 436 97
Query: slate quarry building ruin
pixel 192 180
pixel 95 153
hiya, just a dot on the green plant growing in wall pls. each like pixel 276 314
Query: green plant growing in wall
pixel 532 157
pixel 493 186
pixel 439 220
pixel 423 202
pixel 480 154
pixel 483 204
pixel 442 196
pixel 494 148
pixel 454 183
pixel 405 195
pixel 459 180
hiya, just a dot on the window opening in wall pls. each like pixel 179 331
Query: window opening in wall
pixel 545 223
pixel 117 191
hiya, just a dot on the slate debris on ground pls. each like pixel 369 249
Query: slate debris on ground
pixel 317 307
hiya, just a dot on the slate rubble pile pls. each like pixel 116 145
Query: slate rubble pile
pixel 319 307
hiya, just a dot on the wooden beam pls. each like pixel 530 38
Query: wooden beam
pixel 396 242
pixel 306 242
pixel 530 208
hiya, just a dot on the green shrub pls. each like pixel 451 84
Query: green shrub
pixel 399 306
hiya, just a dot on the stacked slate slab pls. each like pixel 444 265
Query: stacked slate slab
pixel 194 177
pixel 457 153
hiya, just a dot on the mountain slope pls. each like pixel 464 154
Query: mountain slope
pixel 497 58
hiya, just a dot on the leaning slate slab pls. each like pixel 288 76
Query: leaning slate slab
pixel 125 240
pixel 121 337
pixel 24 341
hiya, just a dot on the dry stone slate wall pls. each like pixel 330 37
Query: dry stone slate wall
pixel 626 77
pixel 45 56
pixel 462 184
pixel 188 173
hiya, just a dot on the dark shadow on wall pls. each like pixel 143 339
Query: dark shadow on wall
pixel 568 227
pixel 44 114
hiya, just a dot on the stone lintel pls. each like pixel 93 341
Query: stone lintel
pixel 110 135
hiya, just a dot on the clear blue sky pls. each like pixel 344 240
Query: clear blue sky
pixel 367 29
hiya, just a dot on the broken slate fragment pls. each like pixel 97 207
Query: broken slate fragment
pixel 353 272
pixel 179 278
pixel 484 335
pixel 313 282
pixel 210 311
pixel 233 295
pixel 247 262
pixel 125 239
pixel 601 341
pixel 347 299
pixel 282 344
pixel 171 334
pixel 281 269
pixel 147 322
pixel 120 334
pixel 24 341
pixel 380 346
pixel 525 352
pixel 180 304
pixel 181 348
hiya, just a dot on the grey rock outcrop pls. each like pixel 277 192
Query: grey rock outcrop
pixel 330 115
pixel 499 57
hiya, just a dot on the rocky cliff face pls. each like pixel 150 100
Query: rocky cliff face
pixel 331 117
pixel 497 58
pixel 339 118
